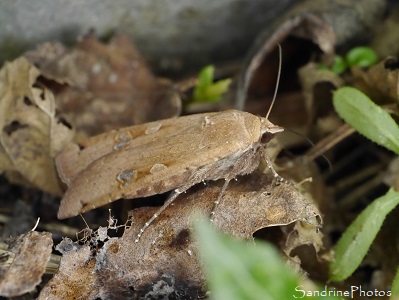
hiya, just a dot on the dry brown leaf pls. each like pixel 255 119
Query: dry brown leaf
pixel 305 26
pixel 386 38
pixel 105 86
pixel 165 261
pixel 31 255
pixel 31 133
pixel 391 175
pixel 308 29
pixel 303 234
pixel 380 80
pixel 317 86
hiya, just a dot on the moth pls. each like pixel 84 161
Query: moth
pixel 157 157
pixel 161 156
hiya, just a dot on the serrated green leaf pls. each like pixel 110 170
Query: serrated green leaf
pixel 238 270
pixel 362 57
pixel 366 117
pixel 356 240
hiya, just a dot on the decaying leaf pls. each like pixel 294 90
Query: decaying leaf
pixel 308 28
pixel 391 176
pixel 105 86
pixel 317 86
pixel 29 255
pixel 381 80
pixel 386 38
pixel 165 262
pixel 31 131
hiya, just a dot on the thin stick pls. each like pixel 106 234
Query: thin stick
pixel 278 80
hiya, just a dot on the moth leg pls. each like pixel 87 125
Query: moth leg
pixel 269 164
pixel 171 198
pixel 217 201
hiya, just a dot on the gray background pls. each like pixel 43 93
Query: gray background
pixel 172 34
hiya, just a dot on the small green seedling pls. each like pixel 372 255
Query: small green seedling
pixel 363 57
pixel 208 91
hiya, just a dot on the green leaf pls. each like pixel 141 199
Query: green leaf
pixel 238 270
pixel 205 77
pixel 339 66
pixel 362 57
pixel 356 240
pixel 206 90
pixel 395 285
pixel 366 117
pixel 215 91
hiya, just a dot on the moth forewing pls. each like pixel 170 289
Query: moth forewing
pixel 177 154
pixel 77 157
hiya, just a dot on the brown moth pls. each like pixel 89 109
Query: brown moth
pixel 156 157
pixel 161 156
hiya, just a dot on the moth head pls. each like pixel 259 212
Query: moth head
pixel 268 130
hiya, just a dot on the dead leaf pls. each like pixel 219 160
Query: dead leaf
pixel 305 26
pixel 380 80
pixel 104 87
pixel 308 29
pixel 391 175
pixel 317 87
pixel 31 253
pixel 385 40
pixel 31 132
pixel 165 262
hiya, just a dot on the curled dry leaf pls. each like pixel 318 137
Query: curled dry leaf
pixel 165 262
pixel 317 86
pixel 380 80
pixel 27 258
pixel 305 26
pixel 105 86
pixel 321 23
pixel 31 131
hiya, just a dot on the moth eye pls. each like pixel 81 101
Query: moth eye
pixel 266 137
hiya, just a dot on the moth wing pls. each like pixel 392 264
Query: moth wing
pixel 164 164
pixel 77 157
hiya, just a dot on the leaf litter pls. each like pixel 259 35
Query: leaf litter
pixel 32 134
pixel 105 86
pixel 94 85
pixel 166 255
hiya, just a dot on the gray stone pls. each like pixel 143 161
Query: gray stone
pixel 172 34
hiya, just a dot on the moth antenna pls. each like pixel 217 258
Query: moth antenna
pixel 310 142
pixel 37 223
pixel 280 58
